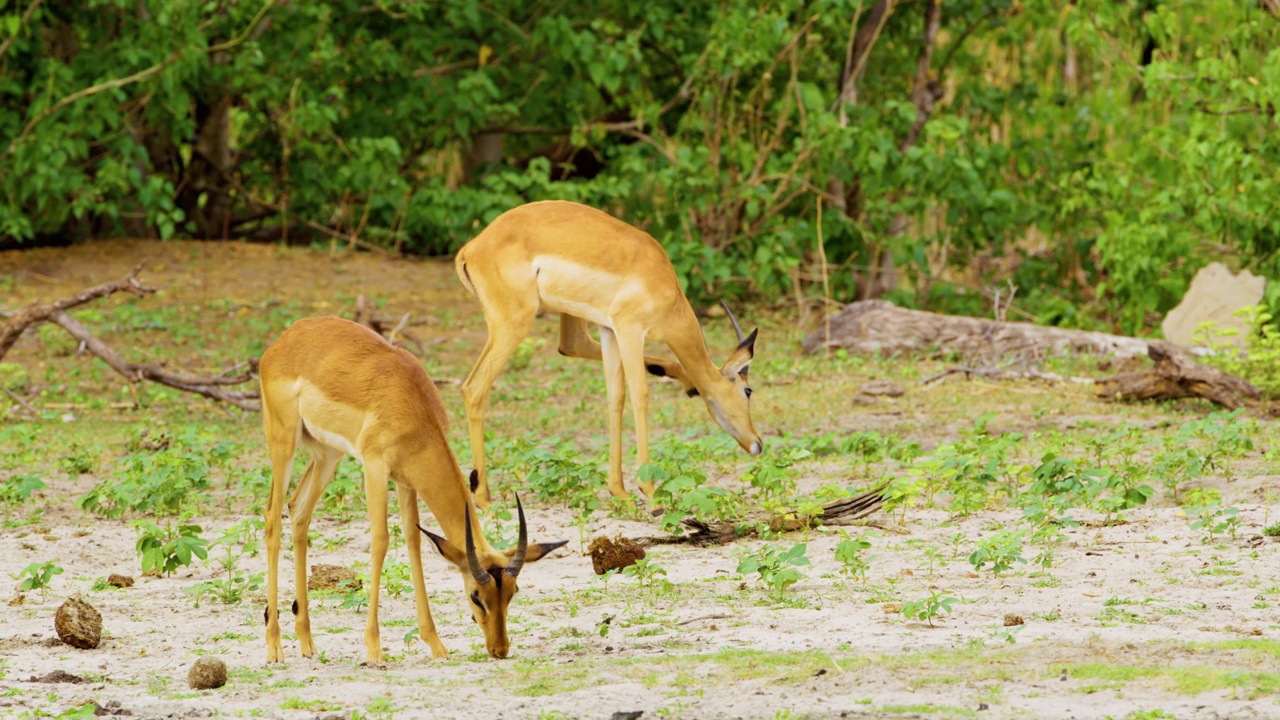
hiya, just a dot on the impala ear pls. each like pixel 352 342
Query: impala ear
pixel 538 550
pixel 740 361
pixel 672 369
pixel 446 549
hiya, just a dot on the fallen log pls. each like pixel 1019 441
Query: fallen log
pixel 879 326
pixel 1176 375
pixel 846 511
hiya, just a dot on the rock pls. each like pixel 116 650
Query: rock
pixel 1011 620
pixel 333 577
pixel 887 388
pixel 78 623
pixel 613 554
pixel 1213 296
pixel 119 581
pixel 207 673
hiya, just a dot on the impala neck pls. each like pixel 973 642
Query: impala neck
pixel 690 348
pixel 450 500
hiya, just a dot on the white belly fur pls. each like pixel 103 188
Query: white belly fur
pixel 333 440
pixel 570 288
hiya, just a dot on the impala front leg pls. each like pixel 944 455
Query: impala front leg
pixel 615 389
pixel 375 489
pixel 413 544
pixel 631 348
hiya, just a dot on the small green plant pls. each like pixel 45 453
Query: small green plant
pixel 37 576
pixel 238 540
pixel 1206 512
pixel 926 609
pixel 649 574
pixel 166 549
pixel 78 461
pixel 15 491
pixel 524 353
pixel 777 568
pixel 1001 550
pixel 851 554
pixel 158 476
pixel 1272 530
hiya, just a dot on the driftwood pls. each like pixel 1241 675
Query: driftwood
pixel 840 512
pixel 216 387
pixel 1176 375
pixel 872 326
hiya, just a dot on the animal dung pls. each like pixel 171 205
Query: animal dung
pixel 207 673
pixel 78 623
pixel 613 554
pixel 333 577
pixel 119 581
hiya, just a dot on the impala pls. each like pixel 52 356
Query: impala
pixel 593 268
pixel 341 389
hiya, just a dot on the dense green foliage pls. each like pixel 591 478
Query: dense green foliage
pixel 1094 153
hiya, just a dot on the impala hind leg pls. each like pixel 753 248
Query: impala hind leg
pixel 413 545
pixel 375 491
pixel 282 440
pixel 631 349
pixel 506 329
pixel 616 391
pixel 319 473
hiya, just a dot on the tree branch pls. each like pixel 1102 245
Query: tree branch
pixel 925 90
pixel 22 23
pixel 128 80
pixel 36 313
pixel 210 387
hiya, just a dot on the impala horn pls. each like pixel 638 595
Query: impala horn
pixel 736 327
pixel 522 544
pixel 473 563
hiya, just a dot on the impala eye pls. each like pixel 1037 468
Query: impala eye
pixel 748 391
pixel 475 598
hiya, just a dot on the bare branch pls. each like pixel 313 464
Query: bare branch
pixel 37 313
pixel 22 22
pixel 210 387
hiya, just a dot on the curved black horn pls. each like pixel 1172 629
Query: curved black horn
pixel 736 328
pixel 522 544
pixel 473 562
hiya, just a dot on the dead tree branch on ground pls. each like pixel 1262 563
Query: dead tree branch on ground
pixel 36 313
pixel 215 387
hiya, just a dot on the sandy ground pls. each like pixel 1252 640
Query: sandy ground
pixel 1134 616
pixel 665 652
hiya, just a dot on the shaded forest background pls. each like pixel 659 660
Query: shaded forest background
pixel 1093 153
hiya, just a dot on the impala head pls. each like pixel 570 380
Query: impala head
pixel 729 402
pixel 491 583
